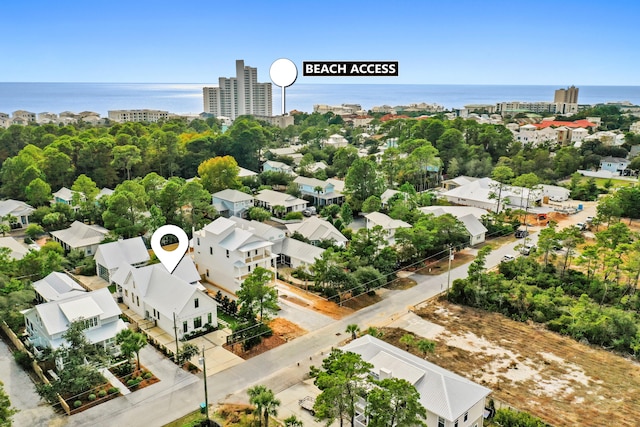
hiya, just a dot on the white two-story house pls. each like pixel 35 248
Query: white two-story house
pixel 226 254
pixel 230 202
pixel 165 298
pixel 388 224
pixel 46 323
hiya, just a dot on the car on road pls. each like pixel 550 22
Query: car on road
pixel 527 249
pixel 521 234
pixel 508 258
pixel 581 226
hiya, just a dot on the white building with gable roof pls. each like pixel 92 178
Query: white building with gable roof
pixel 268 199
pixel 226 254
pixel 450 400
pixel 317 229
pixel 80 236
pixel 17 209
pixel 388 224
pixel 56 286
pixel 227 250
pixel 46 323
pixel 469 216
pixel 110 256
pixel 156 295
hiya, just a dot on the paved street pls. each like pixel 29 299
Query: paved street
pixel 281 368
pixel 277 369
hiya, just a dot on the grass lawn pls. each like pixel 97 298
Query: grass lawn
pixel 225 317
pixel 600 182
pixel 190 420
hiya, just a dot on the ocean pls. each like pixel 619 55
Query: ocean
pixel 185 98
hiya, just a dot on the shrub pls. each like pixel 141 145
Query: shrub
pixel 77 404
pixel 113 390
pixel 132 382
pixel 293 215
pixel 148 375
pixel 102 393
pixel 91 397
pixel 23 359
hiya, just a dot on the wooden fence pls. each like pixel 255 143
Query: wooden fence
pixel 34 364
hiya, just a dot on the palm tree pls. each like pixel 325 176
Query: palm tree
pixel 292 421
pixel 408 340
pixel 374 332
pixel 317 189
pixel 279 210
pixel 265 402
pixel 426 346
pixel 131 342
pixel 353 329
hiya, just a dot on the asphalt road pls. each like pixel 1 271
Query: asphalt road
pixel 278 368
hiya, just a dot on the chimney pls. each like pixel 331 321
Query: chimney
pixel 385 373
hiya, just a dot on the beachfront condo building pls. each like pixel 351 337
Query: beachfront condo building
pixel 238 96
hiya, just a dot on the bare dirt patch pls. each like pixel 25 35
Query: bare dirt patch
pixel 315 302
pixel 435 268
pixel 551 376
pixel 401 284
pixel 283 331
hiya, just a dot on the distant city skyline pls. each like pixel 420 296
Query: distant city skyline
pixel 465 42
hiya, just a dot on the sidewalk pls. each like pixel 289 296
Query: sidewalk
pixel 115 381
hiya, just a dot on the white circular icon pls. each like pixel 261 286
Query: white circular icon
pixel 283 72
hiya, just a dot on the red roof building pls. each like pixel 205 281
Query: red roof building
pixel 557 123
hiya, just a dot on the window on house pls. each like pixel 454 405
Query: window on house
pixel 126 292
pixel 441 422
pixel 197 322
pixel 158 314
pixel 196 303
pixel 211 250
pixel 138 301
pixel 256 252
pixel 227 253
pixel 209 318
pixel 466 416
pixel 133 297
pixel 249 267
pixel 185 326
pixel 198 241
pixel 455 424
pixel 207 272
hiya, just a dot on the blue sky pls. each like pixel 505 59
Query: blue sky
pixel 444 42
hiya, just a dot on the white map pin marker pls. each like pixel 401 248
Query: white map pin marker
pixel 170 259
pixel 283 73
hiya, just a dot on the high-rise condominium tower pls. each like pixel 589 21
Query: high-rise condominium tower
pixel 567 96
pixel 239 95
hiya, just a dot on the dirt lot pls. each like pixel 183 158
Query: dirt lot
pixel 283 331
pixel 553 377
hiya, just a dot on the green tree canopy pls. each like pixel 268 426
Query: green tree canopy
pixel 257 299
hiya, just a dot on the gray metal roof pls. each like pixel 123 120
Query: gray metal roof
pixel 442 392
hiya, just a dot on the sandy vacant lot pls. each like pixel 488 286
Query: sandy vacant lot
pixel 555 378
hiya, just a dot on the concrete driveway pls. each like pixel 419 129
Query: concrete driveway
pixel 22 393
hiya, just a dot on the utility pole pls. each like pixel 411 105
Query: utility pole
pixel 203 361
pixel 175 332
pixel 449 271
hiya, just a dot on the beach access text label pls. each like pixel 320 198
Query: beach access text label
pixel 350 68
